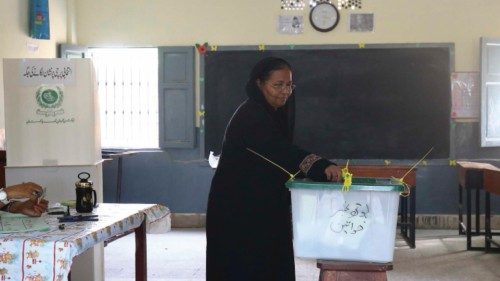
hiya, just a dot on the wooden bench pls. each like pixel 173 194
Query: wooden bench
pixel 478 177
pixel 491 186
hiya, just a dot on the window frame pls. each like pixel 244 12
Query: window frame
pixel 167 138
pixel 489 78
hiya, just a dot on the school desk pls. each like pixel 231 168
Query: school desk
pixel 110 155
pixel 48 255
pixel 407 207
pixel 471 177
pixel 491 181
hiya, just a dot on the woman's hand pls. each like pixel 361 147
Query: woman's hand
pixel 24 190
pixel 333 173
pixel 32 207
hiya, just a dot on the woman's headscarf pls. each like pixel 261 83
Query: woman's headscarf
pixel 285 115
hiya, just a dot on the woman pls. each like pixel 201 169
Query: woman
pixel 35 206
pixel 249 226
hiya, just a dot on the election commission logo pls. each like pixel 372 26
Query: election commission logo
pixel 49 99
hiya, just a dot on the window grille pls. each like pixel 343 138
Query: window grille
pixel 127 80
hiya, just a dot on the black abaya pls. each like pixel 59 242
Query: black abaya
pixel 249 226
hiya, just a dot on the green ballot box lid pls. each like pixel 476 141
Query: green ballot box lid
pixel 358 184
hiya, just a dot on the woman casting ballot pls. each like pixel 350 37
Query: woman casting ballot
pixel 249 224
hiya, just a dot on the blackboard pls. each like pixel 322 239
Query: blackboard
pixel 351 103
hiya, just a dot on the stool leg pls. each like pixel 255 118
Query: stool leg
pixel 487 223
pixel 328 276
pixel 460 210
pixel 478 212
pixel 361 276
pixel 404 216
pixel 331 275
pixel 413 203
pixel 468 226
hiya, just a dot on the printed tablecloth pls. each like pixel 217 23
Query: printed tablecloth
pixel 45 256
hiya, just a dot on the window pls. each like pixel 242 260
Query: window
pixel 490 92
pixel 127 81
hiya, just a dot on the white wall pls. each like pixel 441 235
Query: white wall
pixel 243 22
pixel 14 35
pixel 251 22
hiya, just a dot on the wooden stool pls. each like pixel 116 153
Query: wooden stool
pixel 352 271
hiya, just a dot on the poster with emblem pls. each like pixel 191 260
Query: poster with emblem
pixel 51 112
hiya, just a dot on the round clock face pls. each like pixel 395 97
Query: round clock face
pixel 324 17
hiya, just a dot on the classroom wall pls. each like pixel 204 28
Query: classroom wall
pixel 251 22
pixel 14 35
pixel 178 178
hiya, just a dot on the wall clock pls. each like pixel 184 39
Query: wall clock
pixel 324 17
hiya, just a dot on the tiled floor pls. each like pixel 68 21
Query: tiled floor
pixel 180 256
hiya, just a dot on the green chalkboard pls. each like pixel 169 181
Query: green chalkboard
pixel 390 102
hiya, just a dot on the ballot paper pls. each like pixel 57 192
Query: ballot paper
pixel 11 223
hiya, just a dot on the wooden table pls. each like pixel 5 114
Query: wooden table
pixel 3 163
pixel 48 255
pixel 407 207
pixel 141 253
pixel 491 182
pixel 471 176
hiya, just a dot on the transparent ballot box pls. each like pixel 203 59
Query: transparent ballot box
pixel 355 225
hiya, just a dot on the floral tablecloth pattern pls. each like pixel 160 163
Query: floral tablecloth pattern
pixel 47 256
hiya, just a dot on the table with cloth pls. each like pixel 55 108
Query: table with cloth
pixel 48 255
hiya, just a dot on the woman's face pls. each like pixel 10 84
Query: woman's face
pixel 277 88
